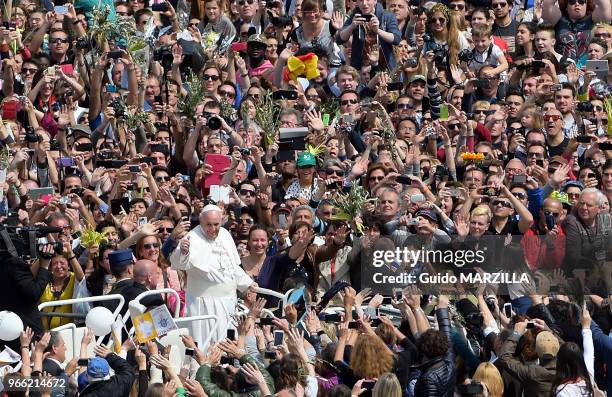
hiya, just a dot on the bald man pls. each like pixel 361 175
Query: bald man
pixel 147 273
pixel 208 254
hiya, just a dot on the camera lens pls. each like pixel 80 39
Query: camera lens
pixel 214 123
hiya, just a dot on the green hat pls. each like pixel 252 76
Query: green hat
pixel 306 159
pixel 417 77
pixel 561 196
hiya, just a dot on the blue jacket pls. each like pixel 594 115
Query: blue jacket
pixel 603 350
pixel 388 23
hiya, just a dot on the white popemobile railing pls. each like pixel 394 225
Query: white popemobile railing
pixel 283 297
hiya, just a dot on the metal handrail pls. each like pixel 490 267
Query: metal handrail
pixel 177 308
pixel 282 297
pixel 101 298
pixel 73 328
pixel 200 318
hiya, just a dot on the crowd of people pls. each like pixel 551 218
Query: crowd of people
pixel 429 183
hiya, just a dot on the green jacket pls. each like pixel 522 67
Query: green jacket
pixel 203 376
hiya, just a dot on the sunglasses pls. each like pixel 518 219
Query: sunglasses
pixel 404 106
pixel 330 171
pixel 498 5
pixel 602 35
pixel 162 178
pixel 589 175
pixel 246 192
pixel 581 2
pixel 439 20
pixel 242 2
pixel 480 111
pixel 519 130
pixel 519 195
pixel 456 126
pixel 549 213
pixel 503 203
pixel 456 6
pixel 165 229
pixel 535 154
pixel 192 25
pixel 149 246
pixel 573 195
pixel 377 178
pixel 312 97
pixel 349 102
pixel 212 77
pixel 58 41
pixel 248 221
pixel 29 70
pixel 227 94
pixel 553 117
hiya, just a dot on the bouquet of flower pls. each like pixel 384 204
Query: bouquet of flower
pixel 348 206
pixel 472 158
pixel 90 238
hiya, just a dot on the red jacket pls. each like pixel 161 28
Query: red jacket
pixel 536 250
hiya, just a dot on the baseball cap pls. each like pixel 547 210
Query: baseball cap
pixel 417 77
pixel 429 214
pixel 558 159
pixel 281 208
pixel 257 38
pixel 306 159
pixel 81 129
pixel 98 369
pixel 572 183
pixel 546 344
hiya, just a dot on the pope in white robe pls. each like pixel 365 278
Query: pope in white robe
pixel 209 257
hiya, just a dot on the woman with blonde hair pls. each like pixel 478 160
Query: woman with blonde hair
pixel 387 385
pixel 444 32
pixel 488 375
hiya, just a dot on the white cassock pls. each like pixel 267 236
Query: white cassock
pixel 213 276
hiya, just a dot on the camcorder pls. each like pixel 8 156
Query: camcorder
pixel 22 242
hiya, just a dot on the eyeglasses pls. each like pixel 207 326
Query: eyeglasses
pixel 166 229
pixel 404 106
pixel 535 154
pixel 456 126
pixel 58 41
pixel 212 77
pixel 481 111
pixel 28 70
pixel 227 94
pixel 457 6
pixel 439 20
pixel 581 2
pixel 246 192
pixel 162 178
pixel 589 175
pixel 519 195
pixel 313 13
pixel 549 213
pixel 553 117
pixel 349 102
pixel 248 221
pixel 242 2
pixel 498 5
pixel 149 246
pixel 602 35
pixel 503 203
pixel 330 171
pixel 377 178
pixel 573 195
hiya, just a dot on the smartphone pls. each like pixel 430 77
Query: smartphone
pixel 60 10
pixel 540 163
pixel 83 362
pixel 507 310
pixel 37 192
pixel 583 139
pixel 134 168
pixel 189 352
pixel 368 384
pixel 491 192
pixel 114 54
pixel 266 320
pixel 332 318
pixel 417 198
pixel 111 88
pixel 556 87
pixel 149 160
pixel 84 147
pixel 367 17
pixel 537 64
pixel 481 83
pixel 387 300
pixel 404 180
pixel 65 162
pixel 142 220
pixel 159 147
pixel 279 337
pixel 454 192
pixel 530 324
pixel 118 163
pixel 470 390
pixel 444 112
pixel 119 205
pixel 395 86
pixel 599 66
pixel 550 221
pixel 353 325
pixel 605 145
pixel 399 295
pixel 231 334
pixel 282 221
pixel 520 179
pixel 270 355
pixel 160 7
pixel 285 94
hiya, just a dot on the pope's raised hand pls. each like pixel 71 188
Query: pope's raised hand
pixel 185 246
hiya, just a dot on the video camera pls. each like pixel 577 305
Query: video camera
pixel 22 242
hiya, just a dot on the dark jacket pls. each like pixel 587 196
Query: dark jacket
pixel 20 292
pixel 119 385
pixel 388 23
pixel 437 377
pixel 536 378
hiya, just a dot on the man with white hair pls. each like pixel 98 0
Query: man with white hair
pixel 209 256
